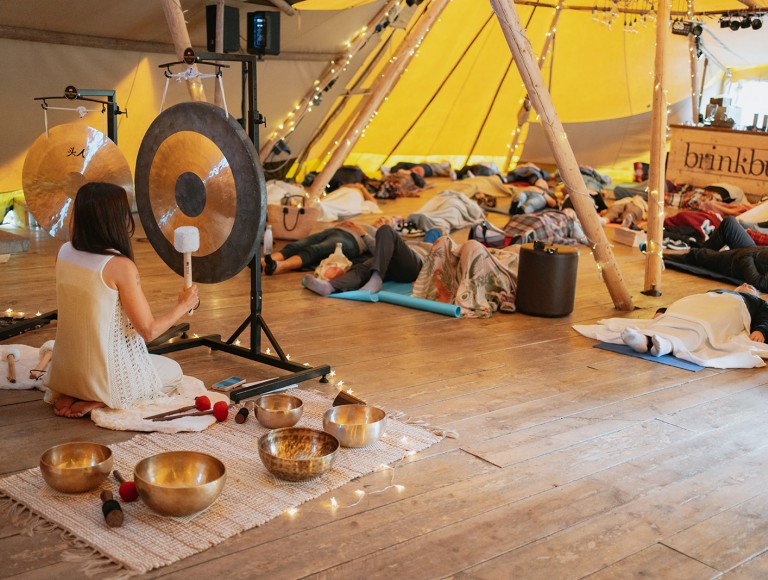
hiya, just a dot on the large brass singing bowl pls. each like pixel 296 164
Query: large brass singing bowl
pixel 297 453
pixel 76 467
pixel 179 483
pixel 278 410
pixel 355 425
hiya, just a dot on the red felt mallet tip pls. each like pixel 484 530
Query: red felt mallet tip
pixel 127 490
pixel 202 403
pixel 221 411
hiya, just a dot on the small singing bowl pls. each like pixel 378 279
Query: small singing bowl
pixel 179 483
pixel 76 467
pixel 355 425
pixel 278 410
pixel 297 453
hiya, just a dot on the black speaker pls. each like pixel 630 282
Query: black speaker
pixel 231 28
pixel 263 32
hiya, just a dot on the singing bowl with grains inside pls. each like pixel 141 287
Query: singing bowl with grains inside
pixel 278 410
pixel 76 467
pixel 297 453
pixel 179 483
pixel 355 425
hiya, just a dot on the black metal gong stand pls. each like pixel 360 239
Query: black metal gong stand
pixel 164 344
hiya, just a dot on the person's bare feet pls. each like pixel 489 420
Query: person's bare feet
pixel 83 408
pixel 62 405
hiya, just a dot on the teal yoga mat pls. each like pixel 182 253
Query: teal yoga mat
pixel 400 294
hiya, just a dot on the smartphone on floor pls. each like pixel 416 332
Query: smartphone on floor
pixel 227 384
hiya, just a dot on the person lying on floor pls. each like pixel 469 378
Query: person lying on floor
pixel 480 280
pixel 627 211
pixel 356 242
pixel 743 260
pixel 392 259
pixel 427 169
pixel 671 332
pixel 719 329
pixel 100 356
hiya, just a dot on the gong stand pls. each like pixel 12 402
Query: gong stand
pixel 299 372
pixel 197 167
pixel 112 109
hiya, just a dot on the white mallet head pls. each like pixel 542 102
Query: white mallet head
pixel 11 351
pixel 47 347
pixel 186 239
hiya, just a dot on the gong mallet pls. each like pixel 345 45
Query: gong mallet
pixel 110 507
pixel 46 352
pixel 186 240
pixel 11 354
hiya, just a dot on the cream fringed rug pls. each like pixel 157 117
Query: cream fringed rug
pixel 251 495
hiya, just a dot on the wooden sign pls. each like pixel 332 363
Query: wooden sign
pixel 703 156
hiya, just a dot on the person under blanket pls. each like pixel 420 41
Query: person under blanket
pixel 478 279
pixel 627 211
pixel 392 259
pixel 100 356
pixel 427 169
pixel 744 260
pixel 356 242
pixel 550 227
pixel 345 202
pixel 447 211
pixel 718 329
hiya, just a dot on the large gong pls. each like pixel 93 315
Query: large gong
pixel 59 163
pixel 197 167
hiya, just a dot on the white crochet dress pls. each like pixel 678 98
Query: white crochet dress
pixel 98 355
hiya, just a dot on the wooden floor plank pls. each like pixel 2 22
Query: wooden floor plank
pixel 656 561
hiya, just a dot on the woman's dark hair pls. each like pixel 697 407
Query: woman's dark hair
pixel 102 222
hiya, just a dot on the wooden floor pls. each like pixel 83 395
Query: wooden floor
pixel 571 462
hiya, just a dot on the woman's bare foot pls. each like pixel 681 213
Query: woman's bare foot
pixel 62 405
pixel 83 408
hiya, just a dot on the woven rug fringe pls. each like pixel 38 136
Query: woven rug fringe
pixel 29 523
pixel 23 518
pixel 92 563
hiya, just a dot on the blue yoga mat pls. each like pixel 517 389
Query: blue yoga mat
pixel 400 294
pixel 667 359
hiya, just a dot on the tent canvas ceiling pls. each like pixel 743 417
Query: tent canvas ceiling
pixel 599 74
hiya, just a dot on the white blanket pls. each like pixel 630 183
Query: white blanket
pixel 449 211
pixel 344 203
pixel 710 329
pixel 28 361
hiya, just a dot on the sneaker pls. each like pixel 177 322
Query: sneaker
pixel 675 245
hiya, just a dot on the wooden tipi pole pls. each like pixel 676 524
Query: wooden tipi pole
pixel 656 185
pixel 329 75
pixel 561 150
pixel 380 89
pixel 693 59
pixel 174 15
pixel 525 109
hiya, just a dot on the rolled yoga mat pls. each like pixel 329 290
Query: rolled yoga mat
pixel 400 294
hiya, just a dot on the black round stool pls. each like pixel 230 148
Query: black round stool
pixel 546 279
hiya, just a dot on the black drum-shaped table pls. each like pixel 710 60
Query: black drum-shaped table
pixel 546 279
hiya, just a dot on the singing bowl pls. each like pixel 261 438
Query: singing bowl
pixel 179 483
pixel 355 425
pixel 76 467
pixel 278 410
pixel 297 453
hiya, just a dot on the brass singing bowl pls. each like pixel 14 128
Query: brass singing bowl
pixel 76 467
pixel 297 453
pixel 355 425
pixel 278 410
pixel 179 483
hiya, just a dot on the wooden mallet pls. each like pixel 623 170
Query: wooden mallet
pixel 11 354
pixel 186 240
pixel 110 507
pixel 45 353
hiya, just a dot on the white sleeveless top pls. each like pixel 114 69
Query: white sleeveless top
pixel 98 355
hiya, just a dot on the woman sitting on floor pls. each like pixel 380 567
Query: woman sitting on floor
pixel 100 357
